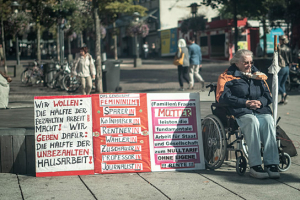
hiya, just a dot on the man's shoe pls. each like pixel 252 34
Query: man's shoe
pixel 272 171
pixel 258 172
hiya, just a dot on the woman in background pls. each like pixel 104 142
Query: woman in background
pixel 84 68
pixel 183 69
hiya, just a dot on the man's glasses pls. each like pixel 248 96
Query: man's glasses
pixel 247 63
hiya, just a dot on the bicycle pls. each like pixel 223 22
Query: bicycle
pixel 33 74
pixel 61 72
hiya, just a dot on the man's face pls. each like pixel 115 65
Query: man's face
pixel 245 64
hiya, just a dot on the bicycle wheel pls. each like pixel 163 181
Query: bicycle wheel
pixel 214 141
pixel 70 84
pixel 25 76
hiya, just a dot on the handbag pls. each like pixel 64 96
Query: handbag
pixel 178 60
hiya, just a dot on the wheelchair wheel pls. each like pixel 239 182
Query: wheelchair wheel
pixel 241 165
pixel 284 162
pixel 214 141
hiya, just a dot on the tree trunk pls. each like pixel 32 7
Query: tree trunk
pixel 81 39
pixel 115 41
pixel 3 46
pixel 98 65
pixel 264 37
pixel 38 35
pixel 57 43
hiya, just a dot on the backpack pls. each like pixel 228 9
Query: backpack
pixel 285 142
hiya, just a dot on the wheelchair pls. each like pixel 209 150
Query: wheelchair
pixel 218 131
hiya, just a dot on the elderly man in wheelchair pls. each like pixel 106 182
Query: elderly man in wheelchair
pixel 242 106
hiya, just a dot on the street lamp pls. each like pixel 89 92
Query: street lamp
pixel 194 9
pixel 14 5
pixel 137 60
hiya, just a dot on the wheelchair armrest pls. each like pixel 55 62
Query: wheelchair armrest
pixel 220 105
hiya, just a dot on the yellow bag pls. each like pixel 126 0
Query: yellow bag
pixel 178 61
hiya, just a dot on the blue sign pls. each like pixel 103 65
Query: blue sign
pixel 270 39
pixel 173 41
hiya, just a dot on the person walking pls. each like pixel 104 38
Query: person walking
pixel 183 69
pixel 146 49
pixel 153 50
pixel 195 63
pixel 84 68
pixel 286 53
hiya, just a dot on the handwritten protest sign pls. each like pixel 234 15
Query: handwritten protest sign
pixel 120 128
pixel 175 132
pixel 63 135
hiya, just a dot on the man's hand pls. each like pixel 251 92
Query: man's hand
pixel 93 76
pixel 253 104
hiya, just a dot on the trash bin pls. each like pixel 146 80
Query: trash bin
pixel 49 70
pixel 111 75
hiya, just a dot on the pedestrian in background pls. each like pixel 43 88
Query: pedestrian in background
pixel 153 50
pixel 84 68
pixel 195 63
pixel 146 49
pixel 286 53
pixel 183 69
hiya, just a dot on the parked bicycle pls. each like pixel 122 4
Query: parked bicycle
pixel 33 74
pixel 61 72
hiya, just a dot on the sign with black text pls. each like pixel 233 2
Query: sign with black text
pixel 175 132
pixel 63 135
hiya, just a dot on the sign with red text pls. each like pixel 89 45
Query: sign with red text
pixel 175 132
pixel 121 134
pixel 63 135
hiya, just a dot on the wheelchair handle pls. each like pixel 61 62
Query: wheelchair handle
pixel 212 87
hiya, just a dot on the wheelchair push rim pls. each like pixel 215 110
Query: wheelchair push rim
pixel 214 141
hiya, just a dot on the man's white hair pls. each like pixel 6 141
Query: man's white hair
pixel 239 55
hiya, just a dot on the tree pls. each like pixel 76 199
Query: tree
pixel 4 10
pixel 47 12
pixel 18 22
pixel 196 23
pixel 107 11
pixel 113 9
pixel 257 9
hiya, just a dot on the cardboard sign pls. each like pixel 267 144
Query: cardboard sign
pixel 175 132
pixel 121 135
pixel 63 135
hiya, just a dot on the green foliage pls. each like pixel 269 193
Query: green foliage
pixel 5 9
pixel 110 10
pixel 18 22
pixel 195 23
